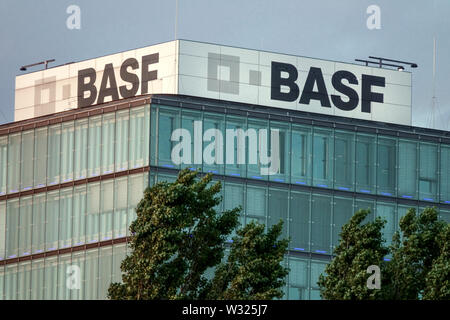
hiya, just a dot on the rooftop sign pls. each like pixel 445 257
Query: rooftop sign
pixel 220 72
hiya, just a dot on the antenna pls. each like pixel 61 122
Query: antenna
pixel 46 62
pixel 435 111
pixel 381 63
pixel 176 19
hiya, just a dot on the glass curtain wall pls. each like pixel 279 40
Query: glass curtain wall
pixel 73 150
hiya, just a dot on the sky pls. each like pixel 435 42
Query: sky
pixel 32 31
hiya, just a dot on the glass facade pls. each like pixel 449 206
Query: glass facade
pixel 313 156
pixel 48 278
pixel 67 185
pixel 74 150
pixel 70 217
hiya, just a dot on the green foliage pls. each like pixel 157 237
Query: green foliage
pixel 437 282
pixel 178 235
pixel 414 251
pixel 419 267
pixel 360 246
pixel 253 270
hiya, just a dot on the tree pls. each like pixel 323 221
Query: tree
pixel 437 282
pixel 360 246
pixel 415 251
pixel 178 235
pixel 253 270
pixel 419 267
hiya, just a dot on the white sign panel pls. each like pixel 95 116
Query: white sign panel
pixel 142 71
pixel 295 83
pixel 220 72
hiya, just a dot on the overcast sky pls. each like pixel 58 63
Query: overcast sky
pixel 32 31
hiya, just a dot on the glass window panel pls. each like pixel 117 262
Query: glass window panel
pixel 387 156
pixel 444 215
pixel 78 260
pixel 51 278
pixel 119 253
pixel 153 135
pixel 146 133
pixel 65 217
pixel 52 217
pixel 234 146
pixel 38 232
pixel 323 158
pixel 92 213
pixel 234 197
pixel 298 275
pixel 91 275
pixel 278 209
pixel 25 225
pixel 2 282
pixel 107 147
pixel 344 165
pixel 299 221
pixel 165 177
pixel 343 211
pixel 284 146
pixel 37 279
pixel 137 137
pixel 63 277
pixel 3 163
pixel 81 149
pixel 317 268
pixel 407 169
pixel 315 294
pixel 321 224
pixel 301 155
pixel 122 143
pixel 27 159
pixel 296 293
pixel 67 151
pixel 366 159
pixel 94 145
pixel 445 174
pixel 219 207
pixel 135 194
pixel 106 210
pixel 214 122
pixel 79 215
pixel 54 154
pixel 428 173
pixel 188 121
pixel 2 230
pixel 11 271
pixel 402 210
pixel 120 207
pixel 387 212
pixel 364 205
pixel 12 228
pixel 256 204
pixel 169 120
pixel 14 162
pixel 40 157
pixel 105 271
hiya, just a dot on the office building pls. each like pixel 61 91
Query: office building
pixel 88 137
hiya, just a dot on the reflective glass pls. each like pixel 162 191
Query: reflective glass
pixel 301 155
